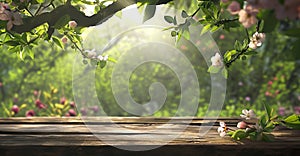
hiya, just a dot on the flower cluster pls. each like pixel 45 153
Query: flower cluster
pixel 93 55
pixel 247 114
pixel 290 9
pixel 257 40
pixel 217 60
pixel 13 17
pixel 222 129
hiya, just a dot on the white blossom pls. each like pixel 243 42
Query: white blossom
pixel 257 40
pixel 91 53
pixel 248 114
pixel 222 129
pixel 216 60
pixel 102 58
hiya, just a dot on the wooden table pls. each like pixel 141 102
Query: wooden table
pixel 71 137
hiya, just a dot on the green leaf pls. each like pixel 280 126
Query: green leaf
pixel 239 134
pixel 40 1
pixel 205 29
pixel 238 45
pixel 214 28
pixel 22 55
pixel 214 69
pixel 225 73
pixel 102 64
pixel 169 19
pixel 119 14
pixel 112 60
pixel 184 14
pixel 58 42
pixel 186 34
pixel 228 55
pixel 267 137
pixel 28 51
pixel 62 21
pixel 59 106
pixel 175 21
pixel 269 110
pixel 149 12
pixel 292 121
pixel 12 43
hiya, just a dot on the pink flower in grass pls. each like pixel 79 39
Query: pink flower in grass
pixel 30 113
pixel 281 111
pixel 15 109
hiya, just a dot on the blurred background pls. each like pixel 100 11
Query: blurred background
pixel 43 86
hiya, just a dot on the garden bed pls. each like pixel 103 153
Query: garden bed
pixel 70 136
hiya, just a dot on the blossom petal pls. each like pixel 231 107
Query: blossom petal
pixel 222 134
pixel 220 129
pixel 222 124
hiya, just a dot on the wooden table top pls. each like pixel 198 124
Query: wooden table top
pixel 72 136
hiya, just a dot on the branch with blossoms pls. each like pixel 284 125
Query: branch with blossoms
pixel 262 129
pixel 250 14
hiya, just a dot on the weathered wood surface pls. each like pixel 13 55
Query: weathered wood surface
pixel 70 136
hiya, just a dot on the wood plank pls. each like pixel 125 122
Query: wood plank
pixel 70 136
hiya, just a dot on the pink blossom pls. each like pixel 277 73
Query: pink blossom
pixel 30 113
pixel 297 110
pixel 63 100
pixel 183 47
pixel 72 112
pixel 247 98
pixel 267 93
pixel 73 24
pixel 270 83
pixel 15 109
pixel 35 93
pixel 247 16
pixel 222 37
pixel 281 111
pixel 72 104
pixel 234 7
pixel 64 40
pixel 83 111
pixel 242 125
pixel 13 18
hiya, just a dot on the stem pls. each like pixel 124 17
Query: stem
pixel 196 12
pixel 228 64
pixel 223 21
pixel 258 25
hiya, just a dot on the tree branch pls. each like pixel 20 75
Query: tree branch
pixel 82 20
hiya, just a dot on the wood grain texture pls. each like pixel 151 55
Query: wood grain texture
pixel 71 136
